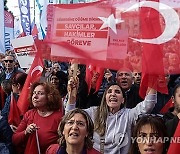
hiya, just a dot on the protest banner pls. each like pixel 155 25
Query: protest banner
pixel 25 50
pixel 151 29
pixel 74 26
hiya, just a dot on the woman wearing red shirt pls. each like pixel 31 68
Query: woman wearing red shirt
pixel 40 122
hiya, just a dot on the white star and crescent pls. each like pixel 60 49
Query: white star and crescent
pixel 37 68
pixel 110 22
pixel 171 18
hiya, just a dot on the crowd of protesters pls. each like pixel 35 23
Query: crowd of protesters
pixel 68 117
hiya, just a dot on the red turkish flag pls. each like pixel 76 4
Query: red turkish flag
pixel 2 99
pixel 32 145
pixel 166 107
pixel 14 114
pixel 94 74
pixel 175 146
pixel 33 75
pixel 142 35
pixel 152 54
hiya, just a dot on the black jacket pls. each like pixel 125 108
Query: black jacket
pixel 132 97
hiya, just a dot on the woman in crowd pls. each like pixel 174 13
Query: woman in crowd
pixel 18 81
pixel 59 79
pixel 15 85
pixel 149 136
pixel 111 120
pixel 7 88
pixel 75 134
pixel 42 120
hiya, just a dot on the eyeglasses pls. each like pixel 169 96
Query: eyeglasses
pixel 78 123
pixel 38 93
pixel 10 61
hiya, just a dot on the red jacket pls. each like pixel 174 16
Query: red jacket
pixel 53 149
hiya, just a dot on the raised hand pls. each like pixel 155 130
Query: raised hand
pixel 72 88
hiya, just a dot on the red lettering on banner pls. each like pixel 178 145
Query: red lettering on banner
pixel 81 34
pixel 78 29
pixel 79 26
pixel 79 42
pixel 25 49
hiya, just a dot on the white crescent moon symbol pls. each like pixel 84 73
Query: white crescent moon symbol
pixel 36 69
pixel 171 19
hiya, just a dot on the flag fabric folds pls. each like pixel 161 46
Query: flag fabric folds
pixel 14 114
pixel 94 76
pixel 166 107
pixel 174 147
pixel 32 144
pixel 140 30
pixel 24 7
pixel 152 54
pixel 33 75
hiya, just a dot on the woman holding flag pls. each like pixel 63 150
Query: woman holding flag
pixel 38 128
pixel 112 121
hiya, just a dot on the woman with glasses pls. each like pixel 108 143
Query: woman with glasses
pixel 113 122
pixel 75 134
pixel 149 136
pixel 41 122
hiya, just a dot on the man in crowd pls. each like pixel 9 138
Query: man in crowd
pixel 7 73
pixel 10 70
pixel 137 77
pixel 124 78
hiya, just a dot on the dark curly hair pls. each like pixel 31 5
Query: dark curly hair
pixel 54 100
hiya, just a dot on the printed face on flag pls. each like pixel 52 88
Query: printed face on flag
pixel 78 27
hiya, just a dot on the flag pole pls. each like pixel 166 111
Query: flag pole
pixel 34 12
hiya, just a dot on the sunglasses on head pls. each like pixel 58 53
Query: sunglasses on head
pixel 158 116
pixel 10 61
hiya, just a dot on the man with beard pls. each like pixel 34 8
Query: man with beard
pixel 124 78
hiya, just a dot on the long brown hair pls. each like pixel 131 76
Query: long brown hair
pixel 102 113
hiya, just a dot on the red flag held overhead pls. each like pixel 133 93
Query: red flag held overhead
pixel 33 75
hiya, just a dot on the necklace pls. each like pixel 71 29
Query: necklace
pixel 45 113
